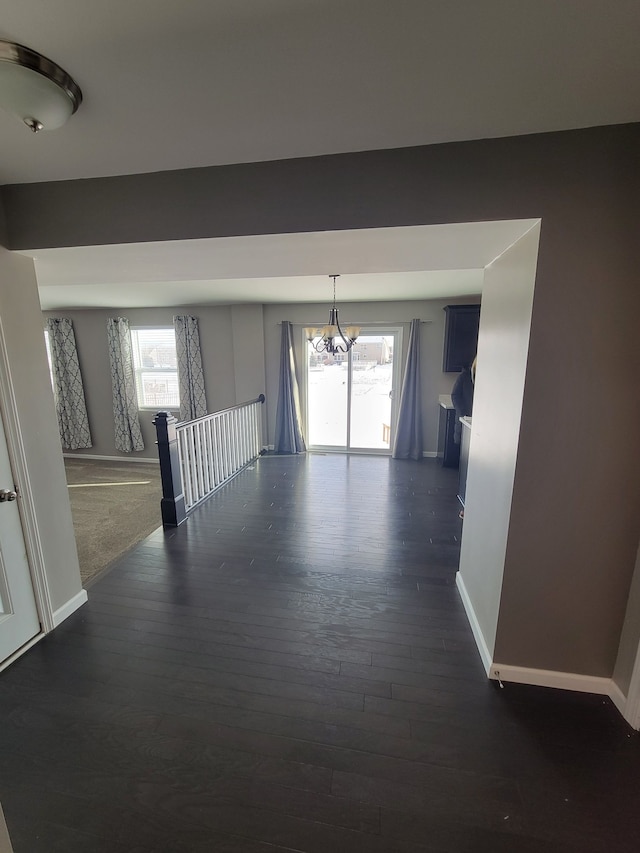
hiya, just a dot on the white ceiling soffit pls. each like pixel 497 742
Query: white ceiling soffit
pixel 376 264
pixel 373 287
pixel 174 85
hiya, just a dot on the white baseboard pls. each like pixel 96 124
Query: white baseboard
pixel 544 677
pixel 619 699
pixel 632 715
pixel 70 607
pixel 426 454
pixel 632 706
pixel 551 678
pixel 8 661
pixel 148 459
pixel 625 705
pixel 481 643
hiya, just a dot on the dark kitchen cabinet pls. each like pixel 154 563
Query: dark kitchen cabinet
pixel 448 450
pixel 460 336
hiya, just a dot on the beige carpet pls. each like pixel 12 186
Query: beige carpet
pixel 114 505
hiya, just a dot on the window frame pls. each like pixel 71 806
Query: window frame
pixel 139 369
pixel 47 346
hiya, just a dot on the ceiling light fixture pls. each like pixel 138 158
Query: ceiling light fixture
pixel 34 88
pixel 330 332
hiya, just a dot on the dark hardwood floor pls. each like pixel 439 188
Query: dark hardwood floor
pixel 292 670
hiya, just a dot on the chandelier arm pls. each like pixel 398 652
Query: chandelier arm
pixel 346 342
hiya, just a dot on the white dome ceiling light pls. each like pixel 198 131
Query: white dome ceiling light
pixel 35 89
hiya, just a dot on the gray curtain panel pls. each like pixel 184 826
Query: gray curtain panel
pixel 408 441
pixel 289 438
pixel 71 408
pixel 125 404
pixel 193 402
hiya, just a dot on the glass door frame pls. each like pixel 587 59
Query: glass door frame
pixel 378 330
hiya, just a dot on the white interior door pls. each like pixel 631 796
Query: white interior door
pixel 18 613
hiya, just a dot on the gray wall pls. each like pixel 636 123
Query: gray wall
pixel 27 363
pixel 216 340
pixel 574 523
pixel 247 327
pixel 434 381
pixel 497 407
pixel 4 234
pixel 511 178
pixel 630 639
pixel 241 354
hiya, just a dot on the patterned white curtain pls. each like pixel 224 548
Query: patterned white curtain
pixel 193 402
pixel 68 389
pixel 125 404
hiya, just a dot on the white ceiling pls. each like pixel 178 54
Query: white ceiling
pixel 376 264
pixel 169 85
pixel 172 85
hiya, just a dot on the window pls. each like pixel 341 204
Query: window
pixel 156 368
pixel 47 344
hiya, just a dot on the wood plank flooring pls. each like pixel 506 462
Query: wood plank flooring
pixel 292 670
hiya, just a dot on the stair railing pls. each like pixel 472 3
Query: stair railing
pixel 198 457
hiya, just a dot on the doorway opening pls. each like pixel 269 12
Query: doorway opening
pixel 351 399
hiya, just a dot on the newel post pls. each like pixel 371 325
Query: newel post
pixel 172 503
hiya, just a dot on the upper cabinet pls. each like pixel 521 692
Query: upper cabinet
pixel 460 336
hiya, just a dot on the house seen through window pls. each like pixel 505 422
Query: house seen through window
pixel 156 368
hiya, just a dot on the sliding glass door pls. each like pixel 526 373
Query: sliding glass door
pixel 351 398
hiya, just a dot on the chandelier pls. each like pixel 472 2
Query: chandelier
pixel 329 334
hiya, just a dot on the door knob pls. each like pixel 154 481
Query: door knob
pixel 7 495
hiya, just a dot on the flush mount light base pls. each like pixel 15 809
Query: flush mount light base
pixel 34 88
